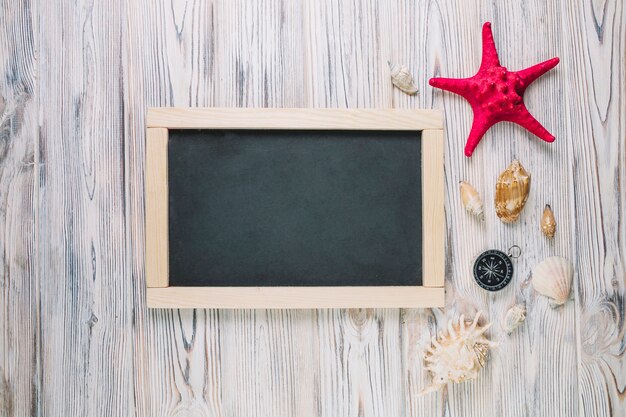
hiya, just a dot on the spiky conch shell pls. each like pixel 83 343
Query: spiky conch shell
pixel 471 200
pixel 458 355
pixel 512 190
pixel 402 78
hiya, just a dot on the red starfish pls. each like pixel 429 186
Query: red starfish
pixel 496 94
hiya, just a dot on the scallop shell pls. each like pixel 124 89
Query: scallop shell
pixel 548 223
pixel 553 277
pixel 471 200
pixel 458 355
pixel 514 317
pixel 402 78
pixel 512 190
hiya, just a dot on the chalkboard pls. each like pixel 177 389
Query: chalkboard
pixel 294 208
pixel 261 208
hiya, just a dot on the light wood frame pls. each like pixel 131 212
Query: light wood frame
pixel 161 295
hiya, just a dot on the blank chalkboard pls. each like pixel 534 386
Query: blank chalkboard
pixel 259 208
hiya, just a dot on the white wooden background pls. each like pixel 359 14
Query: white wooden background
pixel 75 79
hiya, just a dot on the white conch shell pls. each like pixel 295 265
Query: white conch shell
pixel 458 355
pixel 548 223
pixel 552 277
pixel 512 190
pixel 471 200
pixel 514 317
pixel 402 78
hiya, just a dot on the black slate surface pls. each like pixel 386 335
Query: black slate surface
pixel 294 208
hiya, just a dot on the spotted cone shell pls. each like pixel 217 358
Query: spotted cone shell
pixel 548 223
pixel 512 190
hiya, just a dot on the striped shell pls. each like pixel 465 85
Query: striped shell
pixel 553 277
pixel 512 190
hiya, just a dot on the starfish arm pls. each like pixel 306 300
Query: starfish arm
pixel 454 85
pixel 530 74
pixel 490 54
pixel 527 121
pixel 479 127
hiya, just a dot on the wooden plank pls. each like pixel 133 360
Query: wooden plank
pixel 258 118
pixel 19 130
pixel 87 307
pixel 433 212
pixel 596 101
pixel 157 254
pixel 294 297
pixel 539 354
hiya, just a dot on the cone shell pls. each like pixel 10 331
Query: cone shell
pixel 514 317
pixel 552 278
pixel 457 355
pixel 402 78
pixel 512 190
pixel 471 200
pixel 548 223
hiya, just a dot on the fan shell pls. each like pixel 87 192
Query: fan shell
pixel 552 278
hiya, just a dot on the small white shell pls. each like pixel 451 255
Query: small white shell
pixel 514 317
pixel 402 78
pixel 471 200
pixel 552 277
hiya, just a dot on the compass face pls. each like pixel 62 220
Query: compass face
pixel 493 270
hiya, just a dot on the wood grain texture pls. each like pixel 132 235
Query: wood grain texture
pixel 433 214
pixel 295 297
pixel 19 315
pixel 156 202
pixel 77 339
pixel 598 174
pixel 319 119
pixel 86 303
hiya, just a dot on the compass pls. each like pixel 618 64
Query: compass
pixel 493 269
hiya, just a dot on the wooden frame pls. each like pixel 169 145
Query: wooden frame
pixel 161 295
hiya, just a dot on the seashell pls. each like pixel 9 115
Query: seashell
pixel 458 355
pixel 548 224
pixel 552 277
pixel 512 190
pixel 471 200
pixel 402 78
pixel 514 317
